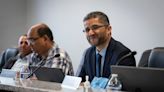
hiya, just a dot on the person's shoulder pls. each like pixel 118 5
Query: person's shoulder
pixel 120 46
pixel 90 48
pixel 33 54
pixel 59 50
pixel 62 52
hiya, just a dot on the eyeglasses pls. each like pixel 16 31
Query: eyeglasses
pixel 93 28
pixel 32 40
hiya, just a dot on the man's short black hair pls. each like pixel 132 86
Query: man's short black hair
pixel 45 30
pixel 97 14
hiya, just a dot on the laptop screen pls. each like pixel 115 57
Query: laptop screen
pixel 141 79
pixel 48 74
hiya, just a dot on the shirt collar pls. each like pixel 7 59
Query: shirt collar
pixel 52 51
pixel 102 52
pixel 23 58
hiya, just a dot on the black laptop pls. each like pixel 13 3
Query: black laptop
pixel 140 79
pixel 49 74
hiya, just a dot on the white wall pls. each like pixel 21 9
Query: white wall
pixel 138 24
pixel 12 22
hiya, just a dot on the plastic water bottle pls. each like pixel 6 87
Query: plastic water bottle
pixel 24 72
pixel 114 83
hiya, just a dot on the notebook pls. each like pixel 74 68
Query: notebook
pixel 48 74
pixel 140 79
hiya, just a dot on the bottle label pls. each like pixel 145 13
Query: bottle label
pixel 24 75
pixel 25 72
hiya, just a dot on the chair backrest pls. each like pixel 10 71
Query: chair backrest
pixel 8 53
pixel 156 58
pixel 144 58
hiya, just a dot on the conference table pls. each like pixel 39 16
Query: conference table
pixel 27 85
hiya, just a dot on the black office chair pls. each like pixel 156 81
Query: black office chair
pixel 144 58
pixel 156 58
pixel 5 55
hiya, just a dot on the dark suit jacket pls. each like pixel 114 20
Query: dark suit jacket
pixel 115 51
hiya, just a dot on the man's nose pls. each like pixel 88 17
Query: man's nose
pixel 91 32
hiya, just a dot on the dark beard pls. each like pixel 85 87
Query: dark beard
pixel 100 41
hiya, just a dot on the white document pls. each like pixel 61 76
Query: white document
pixel 71 82
pixel 8 73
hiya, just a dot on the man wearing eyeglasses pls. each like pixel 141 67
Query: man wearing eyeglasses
pixel 104 51
pixel 45 49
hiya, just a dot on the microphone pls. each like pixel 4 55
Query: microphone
pixel 126 55
pixel 41 64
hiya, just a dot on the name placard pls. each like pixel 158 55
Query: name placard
pixel 71 82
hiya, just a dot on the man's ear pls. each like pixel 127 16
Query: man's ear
pixel 46 37
pixel 110 29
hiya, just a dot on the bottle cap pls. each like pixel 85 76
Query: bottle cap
pixel 115 75
pixel 86 77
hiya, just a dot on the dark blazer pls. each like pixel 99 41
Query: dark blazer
pixel 115 51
